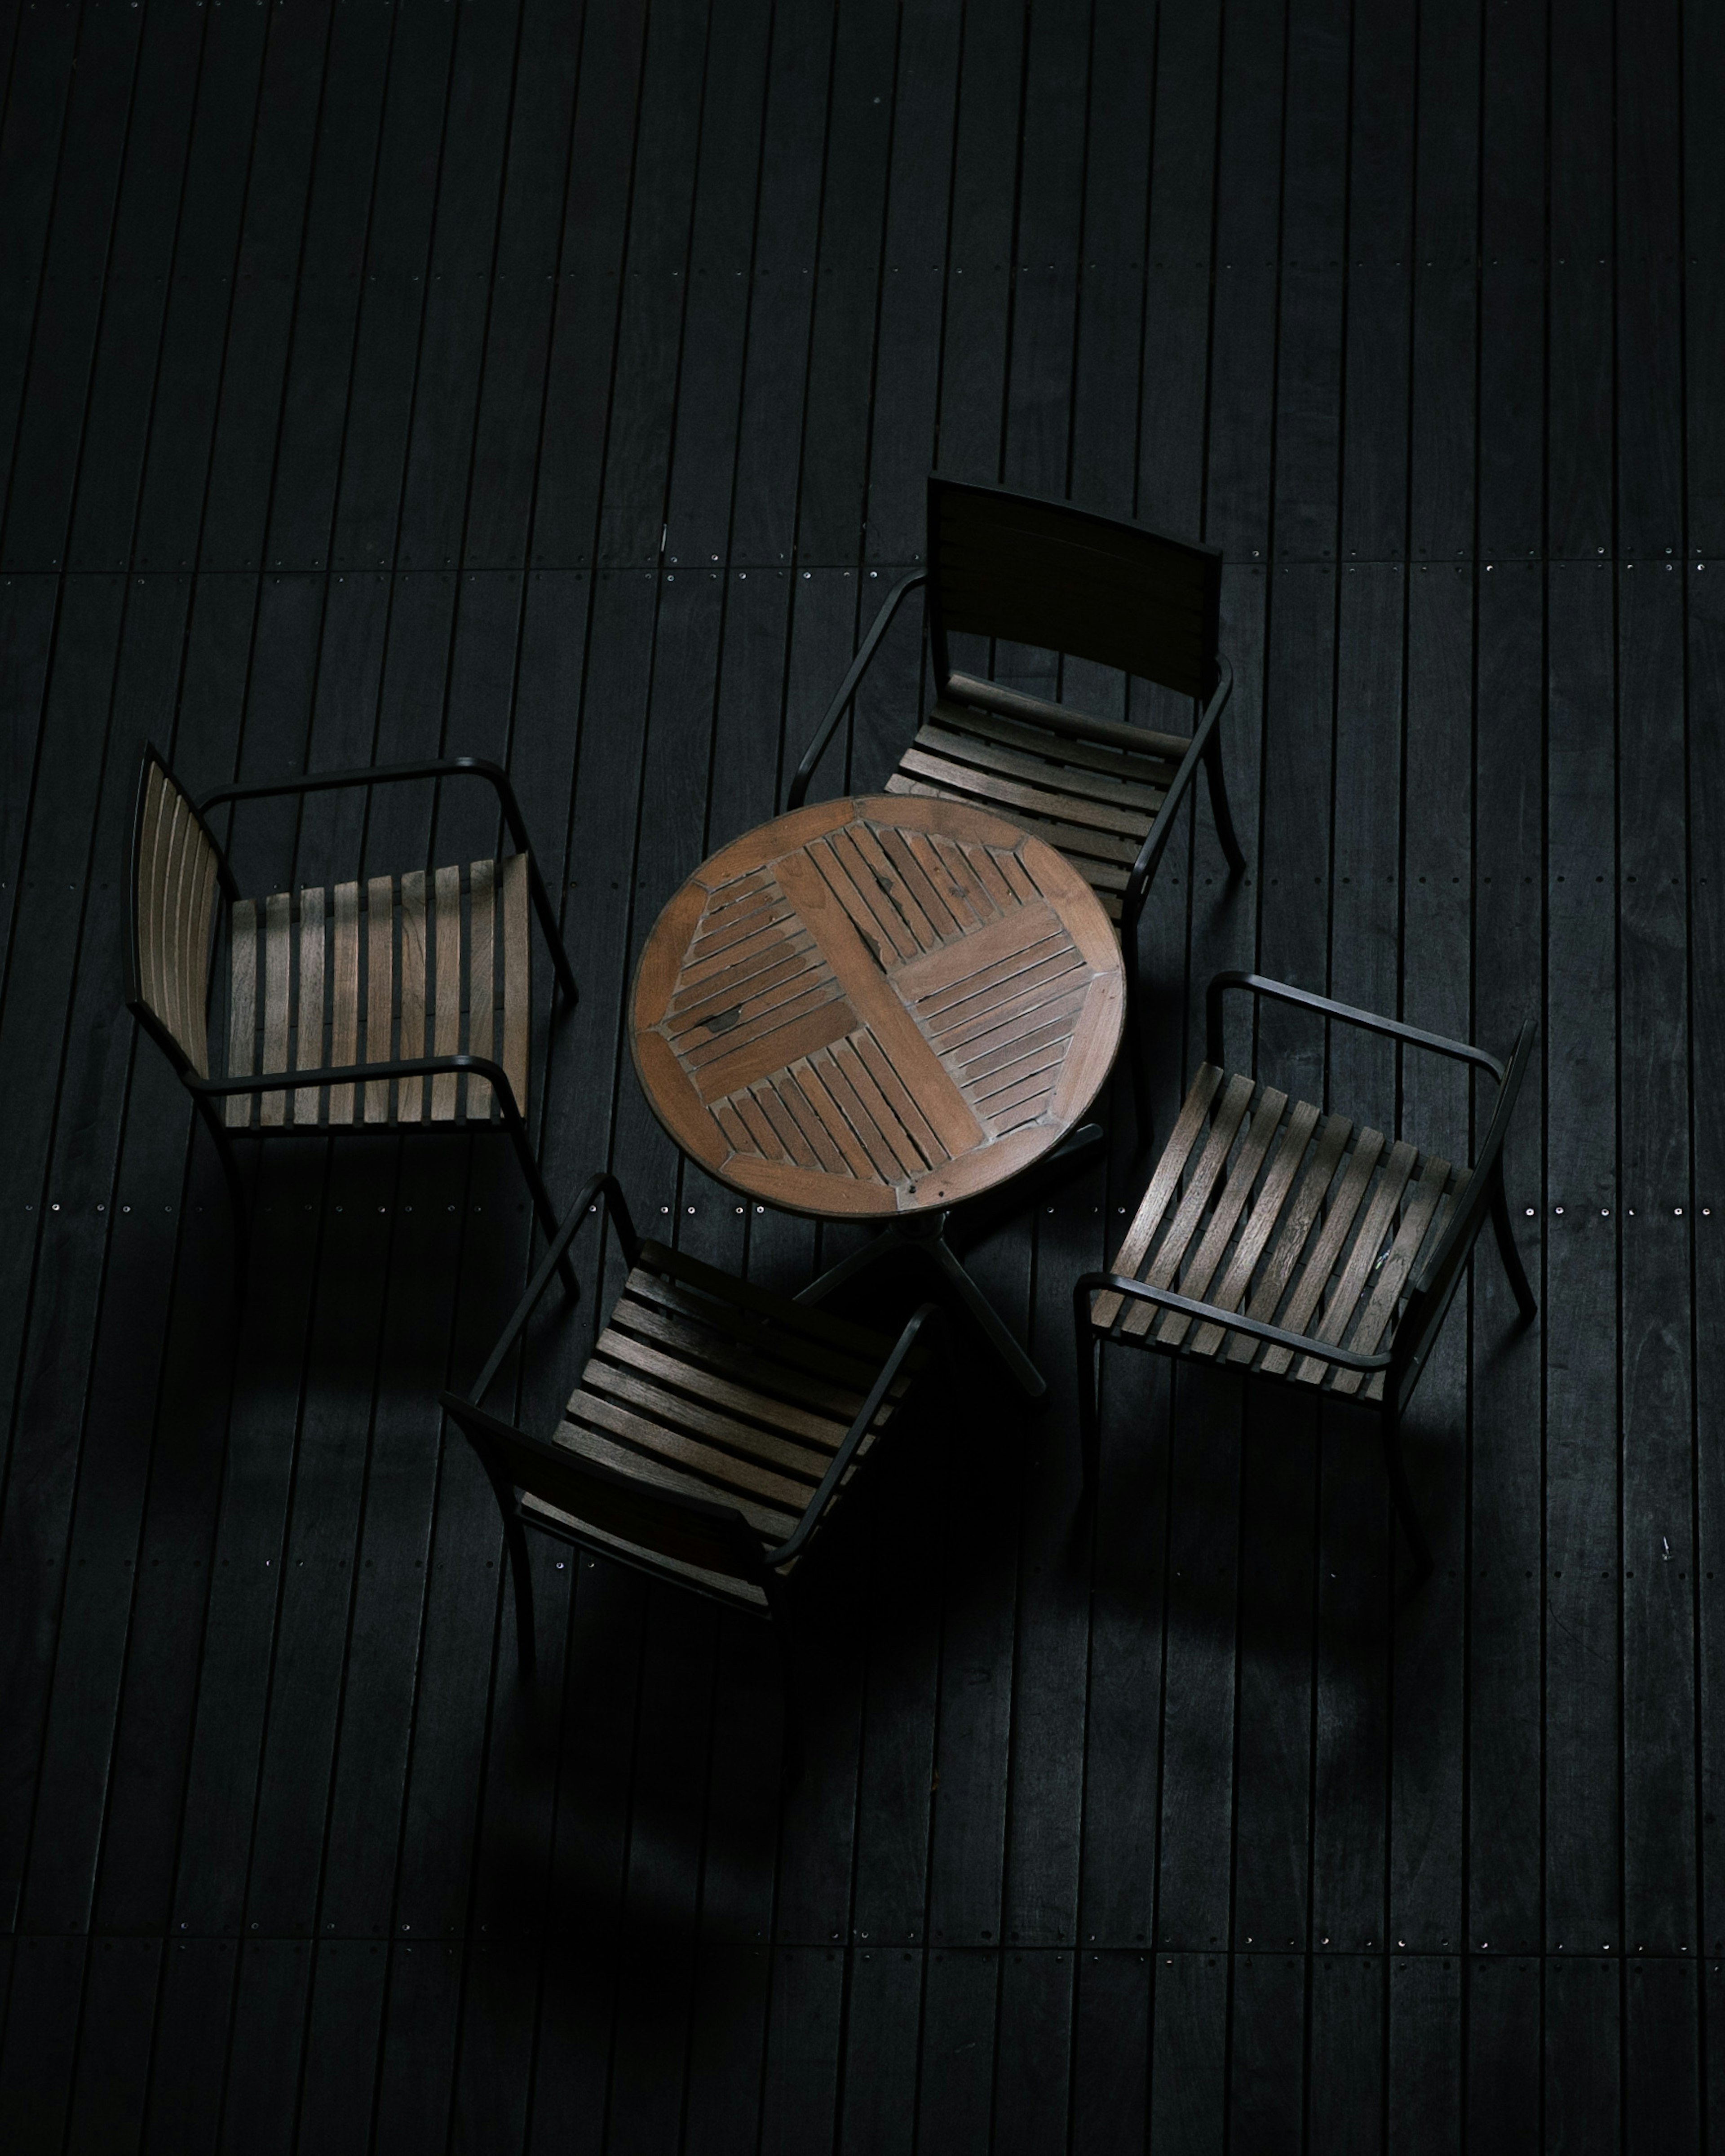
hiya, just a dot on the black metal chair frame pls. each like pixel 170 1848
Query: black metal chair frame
pixel 1205 750
pixel 756 1561
pixel 1429 1296
pixel 207 1092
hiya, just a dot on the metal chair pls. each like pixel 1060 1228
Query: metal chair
pixel 713 1432
pixel 400 1003
pixel 1015 566
pixel 1278 1240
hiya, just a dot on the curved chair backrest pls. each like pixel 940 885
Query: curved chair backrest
pixel 1009 565
pixel 1429 1302
pixel 175 870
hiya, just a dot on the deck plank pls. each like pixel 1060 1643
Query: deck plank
pixel 557 385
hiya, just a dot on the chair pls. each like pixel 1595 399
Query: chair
pixel 1301 1247
pixel 401 1003
pixel 712 1433
pixel 1016 567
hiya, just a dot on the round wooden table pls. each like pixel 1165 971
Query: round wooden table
pixel 878 1007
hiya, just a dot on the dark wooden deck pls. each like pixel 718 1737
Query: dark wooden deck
pixel 379 378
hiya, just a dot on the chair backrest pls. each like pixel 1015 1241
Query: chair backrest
pixel 1035 572
pixel 175 869
pixel 1429 1302
pixel 689 1530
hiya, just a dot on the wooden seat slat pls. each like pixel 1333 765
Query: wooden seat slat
pixel 1229 1114
pixel 309 1015
pixel 1296 1225
pixel 735 1417
pixel 1363 1254
pixel 1094 854
pixel 1392 1274
pixel 628 1445
pixel 1046 773
pixel 411 1102
pixel 1260 1222
pixel 278 981
pixel 668 1427
pixel 793 1387
pixel 1322 1253
pixel 970 783
pixel 379 992
pixel 446 1024
pixel 1138 766
pixel 344 996
pixel 1264 1118
pixel 1165 1181
pixel 481 984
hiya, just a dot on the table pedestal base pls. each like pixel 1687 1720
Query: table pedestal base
pixel 925 1233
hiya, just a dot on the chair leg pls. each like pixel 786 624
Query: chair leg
pixel 791 1741
pixel 1219 802
pixel 1507 1250
pixel 541 1196
pixel 236 1187
pixel 1087 1356
pixel 1135 1040
pixel 1402 1496
pixel 515 1541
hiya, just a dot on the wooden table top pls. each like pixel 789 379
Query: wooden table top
pixel 877 1006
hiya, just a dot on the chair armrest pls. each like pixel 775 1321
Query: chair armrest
pixel 599 1186
pixel 445 766
pixel 847 688
pixel 1255 984
pixel 853 1437
pixel 354 1074
pixel 1161 830
pixel 1231 1320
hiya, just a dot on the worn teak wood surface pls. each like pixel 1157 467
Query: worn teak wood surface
pixel 876 1006
pixel 558 384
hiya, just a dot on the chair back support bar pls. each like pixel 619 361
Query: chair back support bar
pixel 1009 565
pixel 175 871
pixel 1433 1291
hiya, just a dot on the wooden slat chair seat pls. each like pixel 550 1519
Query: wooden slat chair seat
pixel 699 1386
pixel 1019 570
pixel 1290 1243
pixel 715 1430
pixel 1301 1219
pixel 423 969
pixel 1095 800
pixel 394 967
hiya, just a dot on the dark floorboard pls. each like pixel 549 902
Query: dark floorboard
pixel 556 382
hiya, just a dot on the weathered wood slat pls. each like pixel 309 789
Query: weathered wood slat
pixel 344 996
pixel 277 999
pixel 446 1027
pixel 242 1006
pixel 937 982
pixel 413 991
pixel 309 1017
pixel 481 980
